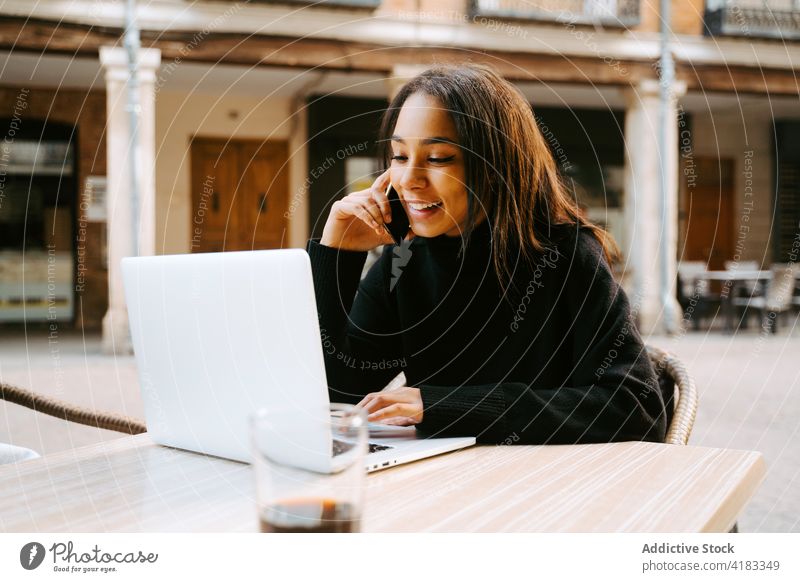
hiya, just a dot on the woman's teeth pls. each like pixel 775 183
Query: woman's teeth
pixel 416 206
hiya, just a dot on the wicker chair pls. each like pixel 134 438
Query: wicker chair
pixel 682 407
pixel 70 412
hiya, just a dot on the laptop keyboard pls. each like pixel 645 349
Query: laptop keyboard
pixel 340 447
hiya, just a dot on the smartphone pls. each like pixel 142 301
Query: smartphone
pixel 398 227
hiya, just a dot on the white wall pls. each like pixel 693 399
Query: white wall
pixel 179 116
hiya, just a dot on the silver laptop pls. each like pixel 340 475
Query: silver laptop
pixel 220 335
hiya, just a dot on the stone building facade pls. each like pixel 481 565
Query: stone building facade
pixel 257 115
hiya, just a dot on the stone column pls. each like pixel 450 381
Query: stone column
pixel 116 334
pixel 298 212
pixel 645 236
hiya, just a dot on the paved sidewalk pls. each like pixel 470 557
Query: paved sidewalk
pixel 749 388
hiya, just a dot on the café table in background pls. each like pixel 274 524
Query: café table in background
pixel 731 281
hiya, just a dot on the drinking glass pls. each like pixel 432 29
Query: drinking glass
pixel 309 468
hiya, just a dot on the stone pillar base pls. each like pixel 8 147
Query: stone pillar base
pixel 652 318
pixel 116 333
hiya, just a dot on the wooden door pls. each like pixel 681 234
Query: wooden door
pixel 240 192
pixel 708 213
pixel 264 191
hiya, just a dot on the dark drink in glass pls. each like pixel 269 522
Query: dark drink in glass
pixel 304 485
pixel 310 516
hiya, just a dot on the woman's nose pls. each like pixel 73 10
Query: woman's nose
pixel 413 177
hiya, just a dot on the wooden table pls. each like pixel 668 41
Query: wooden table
pixel 133 485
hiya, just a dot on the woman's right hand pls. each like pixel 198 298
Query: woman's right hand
pixel 355 222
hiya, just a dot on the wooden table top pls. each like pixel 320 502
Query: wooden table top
pixel 133 485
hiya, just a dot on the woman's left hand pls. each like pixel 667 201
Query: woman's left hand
pixel 401 406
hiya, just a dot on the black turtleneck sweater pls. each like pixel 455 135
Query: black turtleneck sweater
pixel 562 362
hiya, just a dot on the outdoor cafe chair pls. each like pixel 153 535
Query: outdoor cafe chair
pixel 694 292
pixel 776 300
pixel 745 289
pixel 796 295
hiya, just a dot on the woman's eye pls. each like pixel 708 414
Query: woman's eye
pixel 432 160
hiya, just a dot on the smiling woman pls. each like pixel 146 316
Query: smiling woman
pixel 428 167
pixel 500 302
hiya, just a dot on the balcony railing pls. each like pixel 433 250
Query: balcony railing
pixel 755 18
pixel 320 3
pixel 622 13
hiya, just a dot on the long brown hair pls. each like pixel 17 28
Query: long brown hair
pixel 508 165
